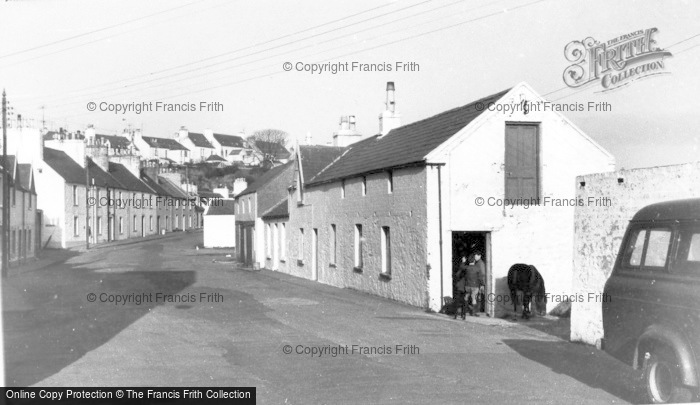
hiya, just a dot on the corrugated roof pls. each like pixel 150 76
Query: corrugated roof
pixel 315 158
pixel 163 143
pixel 199 140
pixel 405 145
pixel 231 141
pixel 280 210
pixel 222 207
pixel 127 179
pixel 265 178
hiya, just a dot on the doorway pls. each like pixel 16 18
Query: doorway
pixel 465 244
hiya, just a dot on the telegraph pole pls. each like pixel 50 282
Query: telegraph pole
pixel 5 192
pixel 5 230
pixel 87 203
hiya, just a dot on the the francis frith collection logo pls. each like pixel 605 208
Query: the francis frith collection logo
pixel 615 63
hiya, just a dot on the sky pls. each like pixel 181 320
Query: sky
pixel 57 57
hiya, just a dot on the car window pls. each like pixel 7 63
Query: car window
pixel 635 248
pixel 657 248
pixel 689 251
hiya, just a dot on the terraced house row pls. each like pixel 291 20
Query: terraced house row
pixel 91 196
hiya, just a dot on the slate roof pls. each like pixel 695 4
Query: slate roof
pixel 126 178
pixel 101 178
pixel 222 207
pixel 171 188
pixel 265 178
pixel 115 142
pixel 65 166
pixel 153 185
pixel 278 151
pixel 24 173
pixel 215 158
pixel 315 158
pixel 163 143
pixel 231 141
pixel 199 140
pixel 406 145
pixel 280 210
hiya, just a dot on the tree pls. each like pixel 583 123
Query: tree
pixel 271 143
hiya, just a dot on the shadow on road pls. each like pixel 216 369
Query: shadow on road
pixel 583 363
pixel 54 324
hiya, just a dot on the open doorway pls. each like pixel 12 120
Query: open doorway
pixel 465 244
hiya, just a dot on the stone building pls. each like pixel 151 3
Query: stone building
pixel 23 210
pixel 609 201
pixel 391 213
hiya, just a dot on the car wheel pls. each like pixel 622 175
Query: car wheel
pixel 662 379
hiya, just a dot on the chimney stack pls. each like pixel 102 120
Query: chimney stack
pixel 390 101
pixel 390 118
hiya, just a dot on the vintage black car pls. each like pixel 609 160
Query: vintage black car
pixel 651 319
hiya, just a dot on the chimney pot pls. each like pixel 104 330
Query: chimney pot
pixel 390 86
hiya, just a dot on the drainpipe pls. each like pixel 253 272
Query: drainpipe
pixel 440 227
pixel 439 165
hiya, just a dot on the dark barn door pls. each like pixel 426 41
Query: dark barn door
pixel 521 162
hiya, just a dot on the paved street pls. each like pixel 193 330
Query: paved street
pixel 56 337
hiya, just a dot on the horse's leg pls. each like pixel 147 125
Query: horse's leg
pixel 527 298
pixel 514 297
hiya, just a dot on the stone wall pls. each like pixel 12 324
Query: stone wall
pixel 599 229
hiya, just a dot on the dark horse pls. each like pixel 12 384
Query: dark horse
pixel 526 279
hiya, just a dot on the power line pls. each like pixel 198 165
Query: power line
pixel 97 30
pixel 101 93
pixel 240 49
pixel 226 3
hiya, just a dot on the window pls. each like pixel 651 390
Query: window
pixel 386 250
pixel 14 196
pixel 647 248
pixel 300 256
pixel 283 241
pixel 97 195
pixel 134 225
pixel 99 225
pixel 150 223
pixel 75 226
pixel 177 221
pixel 342 189
pixel 689 250
pixel 75 195
pixel 12 241
pixel 30 201
pixel 249 206
pixel 390 181
pixel 657 248
pixel 364 185
pixel 521 163
pixel 358 246
pixel 334 245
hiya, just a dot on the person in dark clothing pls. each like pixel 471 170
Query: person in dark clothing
pixel 474 281
pixel 460 288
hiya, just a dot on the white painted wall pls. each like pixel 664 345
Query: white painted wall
pixel 219 231
pixel 538 235
pixel 599 230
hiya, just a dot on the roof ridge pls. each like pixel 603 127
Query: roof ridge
pixel 451 110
